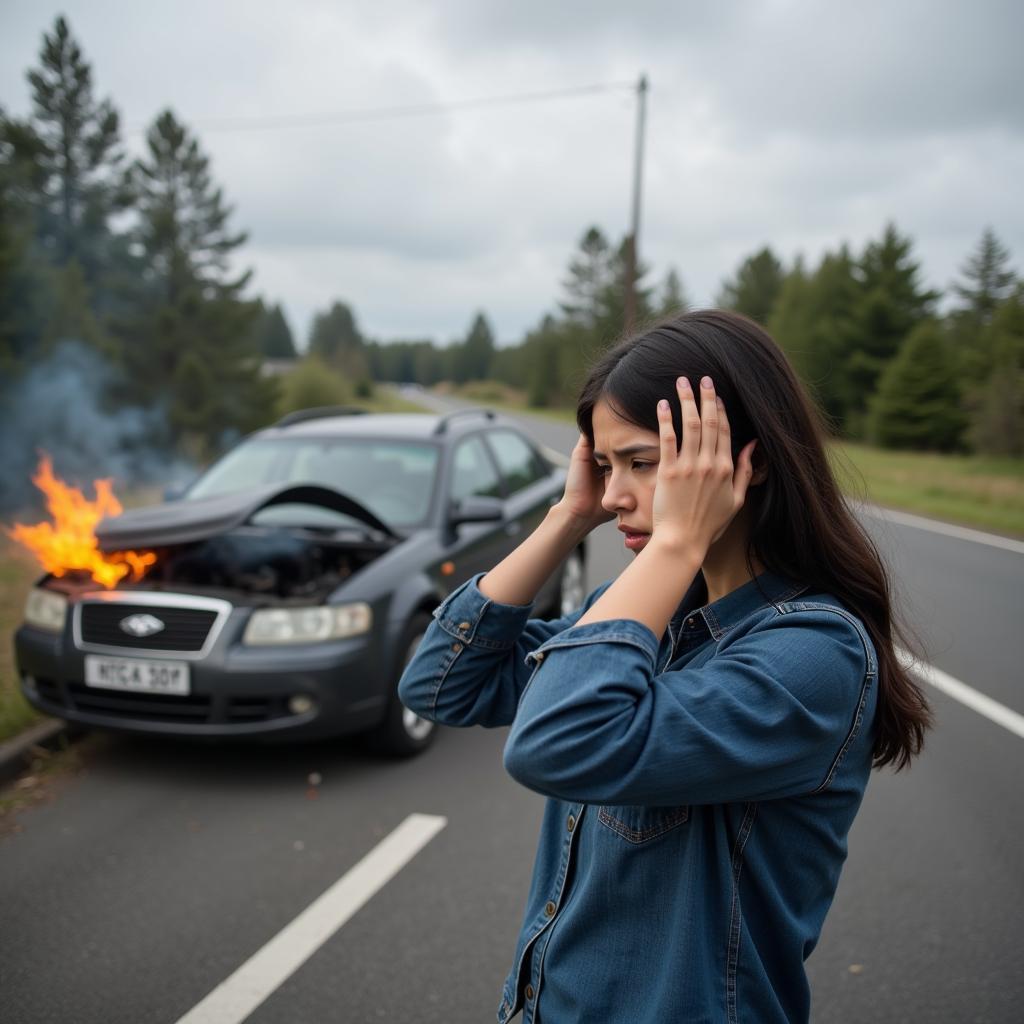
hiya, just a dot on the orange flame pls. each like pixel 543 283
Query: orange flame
pixel 69 542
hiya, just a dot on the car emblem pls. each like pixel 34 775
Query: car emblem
pixel 141 625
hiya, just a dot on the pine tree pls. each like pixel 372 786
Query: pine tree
pixel 756 287
pixel 79 160
pixel 279 342
pixel 334 332
pixel 543 383
pixel 611 308
pixel 892 303
pixel 814 321
pixel 792 323
pixel 335 338
pixel 590 275
pixel 477 355
pixel 918 401
pixel 673 297
pixel 988 279
pixel 997 405
pixel 190 343
pixel 272 337
pixel 24 292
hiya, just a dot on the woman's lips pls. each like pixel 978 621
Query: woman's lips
pixel 635 541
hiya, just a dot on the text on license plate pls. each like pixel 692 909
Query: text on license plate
pixel 140 674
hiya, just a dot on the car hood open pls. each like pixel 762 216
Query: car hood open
pixel 185 521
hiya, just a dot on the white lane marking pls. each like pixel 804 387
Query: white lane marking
pixel 237 996
pixel 966 695
pixel 993 540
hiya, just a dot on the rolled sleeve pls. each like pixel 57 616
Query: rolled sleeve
pixel 470 617
pixel 471 667
pixel 769 715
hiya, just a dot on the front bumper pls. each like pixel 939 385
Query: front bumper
pixel 235 691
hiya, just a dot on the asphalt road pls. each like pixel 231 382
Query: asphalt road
pixel 159 870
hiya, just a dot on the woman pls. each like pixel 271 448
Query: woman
pixel 705 724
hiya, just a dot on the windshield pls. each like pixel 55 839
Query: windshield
pixel 393 479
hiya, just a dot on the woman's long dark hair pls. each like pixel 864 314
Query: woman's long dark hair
pixel 801 526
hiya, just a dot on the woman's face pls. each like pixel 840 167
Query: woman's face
pixel 627 456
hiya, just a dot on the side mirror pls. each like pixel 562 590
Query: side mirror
pixel 476 509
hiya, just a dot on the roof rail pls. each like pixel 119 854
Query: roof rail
pixel 442 425
pixel 318 413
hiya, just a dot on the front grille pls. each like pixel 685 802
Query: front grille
pixel 185 629
pixel 154 707
pixel 157 707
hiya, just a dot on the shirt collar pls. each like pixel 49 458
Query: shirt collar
pixel 719 616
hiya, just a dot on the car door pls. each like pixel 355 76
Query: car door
pixel 526 482
pixel 475 547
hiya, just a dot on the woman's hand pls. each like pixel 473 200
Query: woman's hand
pixel 584 488
pixel 698 490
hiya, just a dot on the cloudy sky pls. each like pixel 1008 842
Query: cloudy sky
pixel 794 123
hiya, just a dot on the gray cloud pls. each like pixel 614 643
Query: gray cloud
pixel 797 124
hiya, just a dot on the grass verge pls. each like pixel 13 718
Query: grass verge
pixel 18 571
pixel 975 490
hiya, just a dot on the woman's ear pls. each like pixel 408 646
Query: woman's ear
pixel 759 466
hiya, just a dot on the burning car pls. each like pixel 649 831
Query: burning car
pixel 282 595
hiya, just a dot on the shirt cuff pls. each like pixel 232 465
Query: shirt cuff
pixel 611 631
pixel 468 615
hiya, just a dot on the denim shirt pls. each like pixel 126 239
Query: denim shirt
pixel 700 787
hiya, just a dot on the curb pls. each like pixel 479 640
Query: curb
pixel 16 753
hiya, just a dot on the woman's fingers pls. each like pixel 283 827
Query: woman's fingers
pixel 690 419
pixel 708 418
pixel 666 433
pixel 724 433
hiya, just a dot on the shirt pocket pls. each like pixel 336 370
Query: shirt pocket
pixel 640 824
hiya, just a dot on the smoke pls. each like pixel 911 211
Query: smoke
pixel 59 406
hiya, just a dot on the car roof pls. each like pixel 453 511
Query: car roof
pixel 410 426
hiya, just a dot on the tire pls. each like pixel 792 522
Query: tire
pixel 572 587
pixel 403 733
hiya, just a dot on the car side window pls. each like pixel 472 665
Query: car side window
pixel 473 472
pixel 517 460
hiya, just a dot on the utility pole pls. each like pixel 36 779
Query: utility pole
pixel 633 242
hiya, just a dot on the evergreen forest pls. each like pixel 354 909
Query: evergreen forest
pixel 135 264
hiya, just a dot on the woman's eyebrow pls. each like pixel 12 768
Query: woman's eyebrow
pixel 633 449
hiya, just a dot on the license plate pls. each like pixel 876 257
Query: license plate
pixel 140 674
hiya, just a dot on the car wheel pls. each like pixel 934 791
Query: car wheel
pixel 572 589
pixel 403 733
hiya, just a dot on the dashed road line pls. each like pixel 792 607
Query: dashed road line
pixel 266 970
pixel 966 695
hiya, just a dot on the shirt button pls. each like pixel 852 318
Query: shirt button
pixel 456 647
pixel 539 655
pixel 689 621
pixel 571 823
pixel 529 993
pixel 463 626
pixel 549 909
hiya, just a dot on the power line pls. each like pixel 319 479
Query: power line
pixel 238 124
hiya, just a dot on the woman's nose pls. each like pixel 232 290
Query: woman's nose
pixel 615 495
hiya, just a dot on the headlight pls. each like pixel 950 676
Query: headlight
pixel 46 610
pixel 307 625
